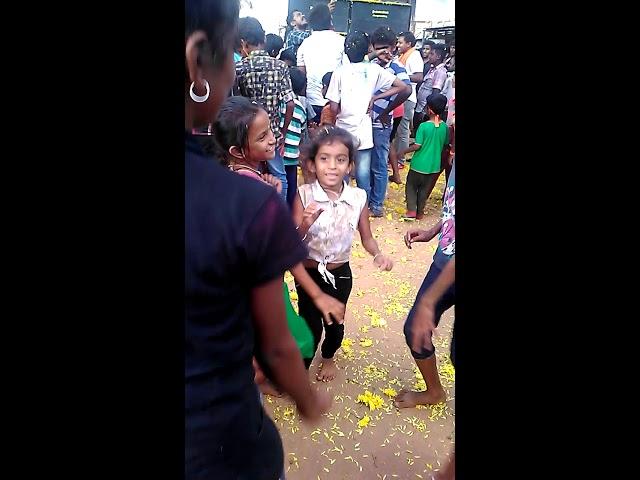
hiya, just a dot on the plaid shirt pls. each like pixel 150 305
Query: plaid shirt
pixel 295 38
pixel 266 81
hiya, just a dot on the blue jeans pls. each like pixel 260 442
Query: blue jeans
pixel 276 168
pixel 379 159
pixel 363 170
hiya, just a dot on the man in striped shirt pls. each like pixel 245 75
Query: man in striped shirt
pixel 382 41
pixel 295 132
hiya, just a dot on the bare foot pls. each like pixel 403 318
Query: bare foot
pixel 267 388
pixel 395 179
pixel 406 399
pixel 327 370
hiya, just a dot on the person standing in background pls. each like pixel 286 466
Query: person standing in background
pixel 353 92
pixel 322 52
pixel 434 82
pixel 450 60
pixel 412 61
pixel 297 23
pixel 382 42
pixel 424 51
pixel 296 132
pixel 273 44
pixel 266 81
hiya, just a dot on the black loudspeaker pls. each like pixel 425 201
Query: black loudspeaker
pixel 368 16
pixel 340 14
pixel 363 15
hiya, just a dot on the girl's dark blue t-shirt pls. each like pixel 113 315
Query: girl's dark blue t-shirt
pixel 238 234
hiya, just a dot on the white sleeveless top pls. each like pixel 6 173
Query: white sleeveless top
pixel 330 238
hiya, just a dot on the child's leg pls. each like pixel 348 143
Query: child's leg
pixel 292 183
pixel 310 313
pixel 426 359
pixel 333 334
pixel 427 183
pixel 411 190
pixel 393 160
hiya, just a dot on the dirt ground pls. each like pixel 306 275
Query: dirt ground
pixel 353 441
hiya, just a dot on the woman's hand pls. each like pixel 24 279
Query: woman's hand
pixel 331 308
pixel 319 403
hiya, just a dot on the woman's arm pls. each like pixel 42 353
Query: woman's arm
pixel 280 352
pixel 331 308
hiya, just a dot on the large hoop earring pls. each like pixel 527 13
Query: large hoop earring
pixel 198 98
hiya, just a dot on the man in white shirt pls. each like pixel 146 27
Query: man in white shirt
pixel 412 61
pixel 352 93
pixel 320 53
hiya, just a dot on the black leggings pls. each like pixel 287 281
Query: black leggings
pixel 334 333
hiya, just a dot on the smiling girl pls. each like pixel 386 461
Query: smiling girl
pixel 327 214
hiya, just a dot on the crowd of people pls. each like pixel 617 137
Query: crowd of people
pixel 257 109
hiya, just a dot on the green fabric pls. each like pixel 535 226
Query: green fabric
pixel 432 140
pixel 298 327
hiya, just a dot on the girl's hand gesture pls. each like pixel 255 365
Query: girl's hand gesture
pixel 311 214
pixel 383 262
pixel 273 181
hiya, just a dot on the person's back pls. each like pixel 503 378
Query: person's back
pixel 352 87
pixel 273 44
pixel 220 273
pixel 264 80
pixel 432 139
pixel 239 240
pixel 260 77
pixel 320 53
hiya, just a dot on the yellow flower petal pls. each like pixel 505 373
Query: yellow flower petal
pixel 364 421
pixel 389 392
